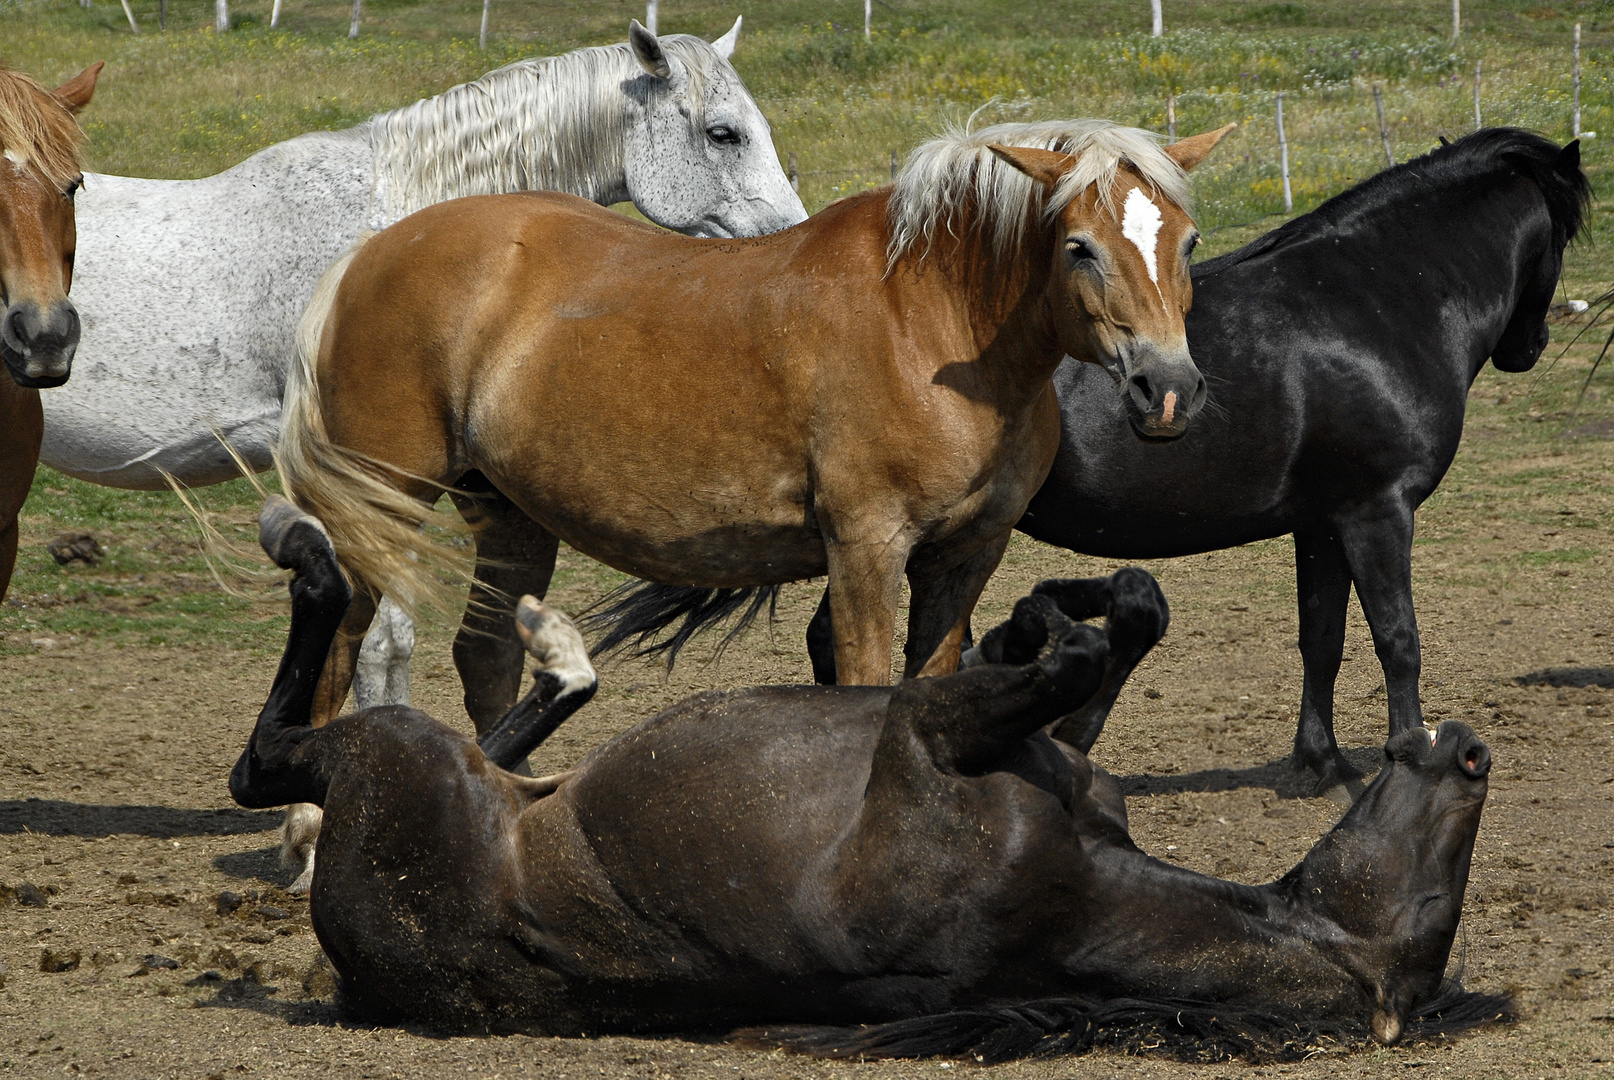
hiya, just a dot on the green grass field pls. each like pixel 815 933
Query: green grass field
pixel 188 102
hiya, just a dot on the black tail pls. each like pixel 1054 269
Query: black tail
pixel 633 614
pixel 1186 1030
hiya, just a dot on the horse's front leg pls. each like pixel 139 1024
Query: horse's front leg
pixel 940 608
pixel 865 586
pixel 1377 541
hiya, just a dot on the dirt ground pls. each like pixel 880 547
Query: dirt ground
pixel 119 836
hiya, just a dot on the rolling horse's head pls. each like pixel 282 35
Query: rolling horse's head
pixel 39 141
pixel 1119 288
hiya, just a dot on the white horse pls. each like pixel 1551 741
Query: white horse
pixel 190 291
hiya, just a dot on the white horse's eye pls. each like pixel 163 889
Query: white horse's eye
pixel 723 136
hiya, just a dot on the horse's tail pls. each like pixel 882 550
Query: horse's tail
pixel 632 614
pixel 1188 1030
pixel 374 527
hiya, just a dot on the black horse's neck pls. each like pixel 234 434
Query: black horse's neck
pixel 1468 239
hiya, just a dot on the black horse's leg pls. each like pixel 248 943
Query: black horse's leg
pixel 564 681
pixel 1378 549
pixel 821 642
pixel 1323 586
pixel 967 720
pixel 1136 617
pixel 515 556
pixel 270 772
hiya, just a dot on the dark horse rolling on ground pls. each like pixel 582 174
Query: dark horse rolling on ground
pixel 840 855
pixel 1340 349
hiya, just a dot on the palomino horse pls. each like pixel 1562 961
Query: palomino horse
pixel 1342 346
pixel 865 395
pixel 39 139
pixel 191 290
pixel 925 859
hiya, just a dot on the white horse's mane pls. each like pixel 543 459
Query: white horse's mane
pixel 956 170
pixel 551 123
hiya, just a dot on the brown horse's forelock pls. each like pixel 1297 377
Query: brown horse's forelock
pixel 957 170
pixel 36 127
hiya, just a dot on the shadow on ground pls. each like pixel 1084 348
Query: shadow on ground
pixel 260 865
pixel 1276 776
pixel 54 817
pixel 1570 676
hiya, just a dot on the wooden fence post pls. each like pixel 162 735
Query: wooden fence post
pixel 1456 19
pixel 1384 132
pixel 1171 117
pixel 1575 128
pixel 221 15
pixel 274 15
pixel 868 20
pixel 1157 18
pixel 136 28
pixel 353 28
pixel 1283 157
pixel 650 15
pixel 162 14
pixel 481 38
pixel 1476 95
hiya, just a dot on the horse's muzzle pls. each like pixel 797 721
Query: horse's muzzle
pixel 38 344
pixel 1162 392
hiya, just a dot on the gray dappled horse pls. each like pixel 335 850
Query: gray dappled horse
pixel 924 858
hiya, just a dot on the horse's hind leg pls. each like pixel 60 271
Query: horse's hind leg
pixel 381 675
pixel 940 607
pixel 1323 585
pixel 515 556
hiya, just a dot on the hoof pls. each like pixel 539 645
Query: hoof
pixel 283 530
pixel 1331 778
pixel 553 640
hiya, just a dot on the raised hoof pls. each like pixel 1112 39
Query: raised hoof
pixel 282 529
pixel 553 640
pixel 1333 778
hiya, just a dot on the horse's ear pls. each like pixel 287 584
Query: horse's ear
pixel 1044 166
pixel 647 50
pixel 724 46
pixel 1569 156
pixel 76 92
pixel 1191 151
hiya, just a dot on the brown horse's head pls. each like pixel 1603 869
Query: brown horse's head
pixel 39 143
pixel 1119 287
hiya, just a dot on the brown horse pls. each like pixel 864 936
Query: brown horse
pixel 39 139
pixel 866 394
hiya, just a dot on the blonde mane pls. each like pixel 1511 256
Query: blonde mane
pixel 35 127
pixel 956 170
pixel 553 123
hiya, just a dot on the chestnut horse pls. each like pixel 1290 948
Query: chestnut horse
pixel 866 394
pixel 40 140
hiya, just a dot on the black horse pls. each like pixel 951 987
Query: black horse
pixel 1340 348
pixel 923 857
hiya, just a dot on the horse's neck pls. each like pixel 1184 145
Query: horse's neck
pixel 1004 297
pixel 549 125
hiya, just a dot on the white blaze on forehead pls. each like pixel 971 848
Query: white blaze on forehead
pixel 18 161
pixel 1140 223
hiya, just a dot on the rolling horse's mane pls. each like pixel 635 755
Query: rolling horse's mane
pixel 957 170
pixel 1489 150
pixel 35 127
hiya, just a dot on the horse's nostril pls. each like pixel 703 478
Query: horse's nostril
pixel 1476 759
pixel 1142 390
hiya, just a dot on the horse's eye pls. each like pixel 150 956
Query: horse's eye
pixel 1078 251
pixel 72 188
pixel 723 136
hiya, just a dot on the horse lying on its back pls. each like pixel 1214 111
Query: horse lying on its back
pixel 835 855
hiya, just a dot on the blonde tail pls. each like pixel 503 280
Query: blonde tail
pixel 375 528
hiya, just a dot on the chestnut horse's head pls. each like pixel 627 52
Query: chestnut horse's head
pixel 39 141
pixel 699 156
pixel 1119 287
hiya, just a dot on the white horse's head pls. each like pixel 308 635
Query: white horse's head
pixel 699 155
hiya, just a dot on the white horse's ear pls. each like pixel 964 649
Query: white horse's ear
pixel 724 45
pixel 647 50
